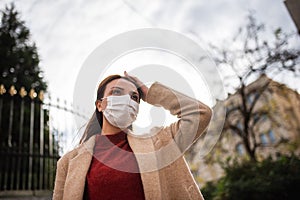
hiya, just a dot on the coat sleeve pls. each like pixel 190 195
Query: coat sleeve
pixel 60 179
pixel 194 116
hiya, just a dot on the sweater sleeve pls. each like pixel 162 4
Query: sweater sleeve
pixel 194 116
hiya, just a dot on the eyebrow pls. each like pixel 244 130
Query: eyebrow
pixel 116 87
pixel 134 92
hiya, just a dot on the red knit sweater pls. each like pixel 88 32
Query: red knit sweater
pixel 110 175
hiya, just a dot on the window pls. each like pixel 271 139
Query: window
pixel 256 117
pixel 251 97
pixel 239 125
pixel 263 139
pixel 271 136
pixel 240 149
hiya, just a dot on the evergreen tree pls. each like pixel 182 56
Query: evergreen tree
pixel 19 60
pixel 27 160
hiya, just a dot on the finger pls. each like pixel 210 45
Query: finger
pixel 128 76
pixel 133 78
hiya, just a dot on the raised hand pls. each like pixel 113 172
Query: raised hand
pixel 140 84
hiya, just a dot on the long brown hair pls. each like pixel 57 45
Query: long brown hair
pixel 95 123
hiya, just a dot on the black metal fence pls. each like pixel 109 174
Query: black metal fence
pixel 29 147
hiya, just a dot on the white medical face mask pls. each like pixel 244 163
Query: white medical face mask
pixel 121 111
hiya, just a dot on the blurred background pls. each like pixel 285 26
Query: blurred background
pixel 255 45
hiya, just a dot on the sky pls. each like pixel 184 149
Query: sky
pixel 67 32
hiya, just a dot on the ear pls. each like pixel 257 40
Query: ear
pixel 99 106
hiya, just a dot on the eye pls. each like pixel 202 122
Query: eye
pixel 135 98
pixel 116 92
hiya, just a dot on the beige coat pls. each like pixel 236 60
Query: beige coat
pixel 164 171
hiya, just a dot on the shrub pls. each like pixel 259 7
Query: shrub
pixel 269 179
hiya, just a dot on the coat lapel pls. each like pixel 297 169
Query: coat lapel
pixel 78 168
pixel 144 152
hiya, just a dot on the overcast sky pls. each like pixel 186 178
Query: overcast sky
pixel 66 32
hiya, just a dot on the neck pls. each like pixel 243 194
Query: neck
pixel 108 129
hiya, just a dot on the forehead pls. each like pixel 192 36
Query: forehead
pixel 122 83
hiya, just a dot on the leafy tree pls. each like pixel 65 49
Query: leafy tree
pixel 249 56
pixel 19 60
pixel 269 179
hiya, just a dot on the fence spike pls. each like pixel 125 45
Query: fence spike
pixel 23 92
pixel 12 90
pixel 41 95
pixel 2 89
pixel 32 93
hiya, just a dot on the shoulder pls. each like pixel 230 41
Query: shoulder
pixel 63 161
pixel 83 147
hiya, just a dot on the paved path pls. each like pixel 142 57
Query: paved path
pixel 26 198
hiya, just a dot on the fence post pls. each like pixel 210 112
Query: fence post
pixel 41 178
pixel 32 95
pixel 22 93
pixel 2 91
pixel 12 92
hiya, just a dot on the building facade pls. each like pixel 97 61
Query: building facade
pixel 273 127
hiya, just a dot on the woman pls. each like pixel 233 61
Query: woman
pixel 113 163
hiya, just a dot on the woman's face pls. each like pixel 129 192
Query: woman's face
pixel 118 87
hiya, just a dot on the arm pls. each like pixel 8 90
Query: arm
pixel 194 116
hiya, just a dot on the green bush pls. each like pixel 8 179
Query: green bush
pixel 269 179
